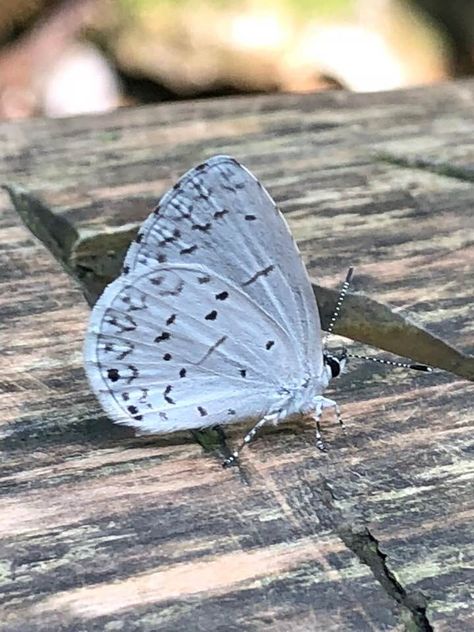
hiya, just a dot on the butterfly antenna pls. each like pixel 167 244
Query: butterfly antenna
pixel 404 365
pixel 335 316
pixel 340 300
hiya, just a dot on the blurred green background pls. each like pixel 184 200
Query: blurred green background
pixel 66 57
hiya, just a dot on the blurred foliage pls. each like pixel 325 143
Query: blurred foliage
pixel 323 7
pixel 122 52
pixel 304 8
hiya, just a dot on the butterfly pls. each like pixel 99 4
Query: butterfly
pixel 213 319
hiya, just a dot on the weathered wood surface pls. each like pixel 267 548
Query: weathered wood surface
pixel 104 531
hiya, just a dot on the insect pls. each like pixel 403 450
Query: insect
pixel 213 319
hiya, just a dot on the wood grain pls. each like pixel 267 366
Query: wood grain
pixel 105 531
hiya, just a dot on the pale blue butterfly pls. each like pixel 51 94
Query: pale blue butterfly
pixel 213 319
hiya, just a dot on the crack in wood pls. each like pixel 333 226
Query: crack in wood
pixel 366 547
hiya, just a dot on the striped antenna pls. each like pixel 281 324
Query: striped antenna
pixel 404 365
pixel 340 300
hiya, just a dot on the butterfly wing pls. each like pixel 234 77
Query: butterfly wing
pixel 179 346
pixel 220 216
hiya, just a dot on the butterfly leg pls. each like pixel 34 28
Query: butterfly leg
pixel 316 415
pixel 320 403
pixel 337 411
pixel 232 459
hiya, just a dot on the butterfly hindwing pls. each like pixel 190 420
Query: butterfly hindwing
pixel 179 346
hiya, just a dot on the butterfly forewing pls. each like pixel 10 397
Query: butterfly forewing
pixel 220 216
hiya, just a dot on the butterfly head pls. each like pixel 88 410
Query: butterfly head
pixel 334 364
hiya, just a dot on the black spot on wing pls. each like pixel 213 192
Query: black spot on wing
pixel 165 335
pixel 229 187
pixel 202 192
pixel 113 375
pixel 133 410
pixel 134 373
pixel 188 251
pixel 264 272
pixel 127 324
pixel 125 352
pixel 219 214
pixel 166 395
pixel 212 315
pixel 132 307
pixel 204 228
pixel 212 348
pixel 169 239
pixel 222 296
pixel 269 344
pixel 202 411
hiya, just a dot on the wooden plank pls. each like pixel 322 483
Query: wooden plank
pixel 105 531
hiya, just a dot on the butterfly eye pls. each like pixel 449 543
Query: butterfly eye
pixel 333 363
